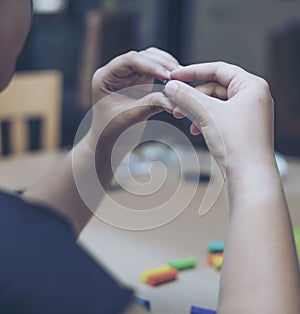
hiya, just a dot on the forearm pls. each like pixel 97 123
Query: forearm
pixel 260 272
pixel 58 190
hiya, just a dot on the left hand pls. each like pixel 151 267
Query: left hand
pixel 132 68
pixel 122 96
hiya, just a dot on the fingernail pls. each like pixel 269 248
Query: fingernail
pixel 171 88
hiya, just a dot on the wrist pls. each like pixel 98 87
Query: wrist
pixel 253 180
pixel 249 163
pixel 96 155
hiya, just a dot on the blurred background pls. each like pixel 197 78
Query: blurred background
pixel 77 36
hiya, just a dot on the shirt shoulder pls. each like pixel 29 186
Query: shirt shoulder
pixel 43 270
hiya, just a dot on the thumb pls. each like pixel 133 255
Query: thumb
pixel 195 102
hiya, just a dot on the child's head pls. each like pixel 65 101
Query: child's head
pixel 15 19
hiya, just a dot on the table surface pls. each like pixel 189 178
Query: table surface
pixel 125 253
pixel 19 172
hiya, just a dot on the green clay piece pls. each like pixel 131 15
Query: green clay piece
pixel 184 263
pixel 297 242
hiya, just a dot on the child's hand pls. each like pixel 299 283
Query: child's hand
pixel 233 110
pixel 130 69
pixel 122 97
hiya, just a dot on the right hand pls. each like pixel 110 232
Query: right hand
pixel 233 110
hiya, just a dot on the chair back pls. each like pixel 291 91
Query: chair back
pixel 32 95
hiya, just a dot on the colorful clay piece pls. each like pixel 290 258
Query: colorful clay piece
pixel 215 247
pixel 297 242
pixel 198 310
pixel 211 256
pixel 162 277
pixel 217 262
pixel 143 302
pixel 146 273
pixel 184 263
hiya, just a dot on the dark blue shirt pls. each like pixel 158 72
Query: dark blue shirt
pixel 43 270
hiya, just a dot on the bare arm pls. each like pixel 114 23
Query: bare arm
pixel 260 264
pixel 68 188
pixel 234 111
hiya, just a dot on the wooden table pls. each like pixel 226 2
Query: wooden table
pixel 126 253
pixel 17 173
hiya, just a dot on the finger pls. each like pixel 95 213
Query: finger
pixel 220 72
pixel 163 53
pixel 131 80
pixel 150 105
pixel 167 63
pixel 213 89
pixel 194 129
pixel 131 62
pixel 180 113
pixel 191 100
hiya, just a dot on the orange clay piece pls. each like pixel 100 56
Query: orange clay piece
pixel 157 279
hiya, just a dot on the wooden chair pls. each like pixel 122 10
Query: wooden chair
pixel 106 36
pixel 32 95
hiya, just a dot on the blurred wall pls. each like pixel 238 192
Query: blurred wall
pixel 245 33
pixel 262 36
pixel 237 31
